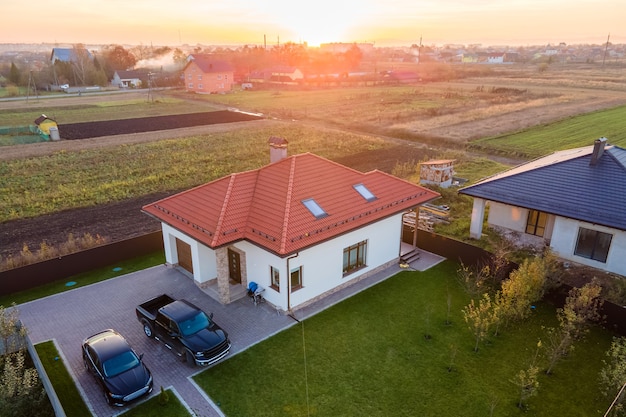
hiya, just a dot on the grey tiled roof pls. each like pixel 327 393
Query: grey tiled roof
pixel 565 184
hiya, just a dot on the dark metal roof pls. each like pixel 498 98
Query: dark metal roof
pixel 565 184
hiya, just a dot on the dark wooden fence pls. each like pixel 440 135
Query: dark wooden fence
pixel 30 276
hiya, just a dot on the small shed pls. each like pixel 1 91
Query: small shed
pixel 438 172
pixel 44 125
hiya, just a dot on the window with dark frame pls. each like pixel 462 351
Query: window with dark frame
pixel 274 279
pixel 593 244
pixel 354 257
pixel 295 275
pixel 536 223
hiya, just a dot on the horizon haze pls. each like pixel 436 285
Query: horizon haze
pixel 388 23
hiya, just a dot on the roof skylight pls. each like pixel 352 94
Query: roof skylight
pixel 365 192
pixel 314 208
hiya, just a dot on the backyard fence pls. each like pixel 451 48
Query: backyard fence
pixel 40 273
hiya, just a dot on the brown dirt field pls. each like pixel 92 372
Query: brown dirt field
pixel 122 220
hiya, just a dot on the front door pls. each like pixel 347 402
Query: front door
pixel 234 267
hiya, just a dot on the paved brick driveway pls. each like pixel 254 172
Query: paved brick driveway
pixel 69 317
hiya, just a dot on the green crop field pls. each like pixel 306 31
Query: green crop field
pixel 572 132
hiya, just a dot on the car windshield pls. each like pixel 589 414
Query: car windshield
pixel 120 363
pixel 195 324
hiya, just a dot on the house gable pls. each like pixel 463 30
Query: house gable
pixel 265 206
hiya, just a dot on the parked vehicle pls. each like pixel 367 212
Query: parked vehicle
pixel 115 365
pixel 184 329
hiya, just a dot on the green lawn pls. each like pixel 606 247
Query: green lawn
pixel 570 133
pixel 63 384
pixel 86 278
pixel 369 356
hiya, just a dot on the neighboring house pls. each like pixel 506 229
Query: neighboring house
pixel 496 58
pixel 206 75
pixel 300 227
pixel 130 78
pixel 67 55
pixel 573 201
pixel 278 74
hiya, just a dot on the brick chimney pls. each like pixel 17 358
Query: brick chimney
pixel 598 150
pixel 278 149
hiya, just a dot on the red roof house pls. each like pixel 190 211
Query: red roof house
pixel 299 227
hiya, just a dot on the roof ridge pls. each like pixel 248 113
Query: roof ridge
pixel 222 215
pixel 283 237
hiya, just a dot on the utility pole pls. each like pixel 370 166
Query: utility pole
pixel 605 49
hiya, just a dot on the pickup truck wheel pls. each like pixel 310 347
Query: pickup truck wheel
pixel 147 328
pixel 189 358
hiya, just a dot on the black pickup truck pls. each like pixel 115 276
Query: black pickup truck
pixel 184 329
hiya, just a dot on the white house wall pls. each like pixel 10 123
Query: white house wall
pixel 509 217
pixel 564 239
pixel 203 258
pixel 322 265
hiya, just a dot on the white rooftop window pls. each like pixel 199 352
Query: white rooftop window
pixel 314 208
pixel 365 192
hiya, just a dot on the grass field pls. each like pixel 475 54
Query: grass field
pixel 573 132
pixel 36 186
pixel 369 356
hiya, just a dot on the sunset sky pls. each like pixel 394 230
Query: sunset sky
pixel 382 22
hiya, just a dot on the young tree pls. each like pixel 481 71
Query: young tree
pixel 479 318
pixel 581 309
pixel 14 74
pixel 528 384
pixel 613 374
pixel 525 286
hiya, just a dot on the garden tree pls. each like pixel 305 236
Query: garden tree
pixel 613 374
pixel 487 275
pixel 14 74
pixel 525 285
pixel 580 311
pixel 21 393
pixel 528 384
pixel 118 58
pixel 479 318
pixel 81 63
pixel 353 57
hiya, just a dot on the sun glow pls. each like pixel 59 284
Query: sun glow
pixel 321 22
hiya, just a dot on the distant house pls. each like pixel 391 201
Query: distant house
pixel 496 58
pixel 205 75
pixel 278 74
pixel 129 78
pixel 573 201
pixel 300 227
pixel 403 77
pixel 68 54
pixel 469 58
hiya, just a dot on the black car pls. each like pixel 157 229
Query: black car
pixel 115 365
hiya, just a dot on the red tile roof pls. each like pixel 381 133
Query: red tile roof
pixel 264 206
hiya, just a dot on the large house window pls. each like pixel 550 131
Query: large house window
pixel 354 257
pixel 190 85
pixel 274 278
pixel 296 278
pixel 593 244
pixel 200 86
pixel 536 223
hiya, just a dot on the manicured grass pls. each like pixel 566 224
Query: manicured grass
pixel 369 356
pixel 85 278
pixel 570 133
pixel 152 408
pixel 41 185
pixel 63 384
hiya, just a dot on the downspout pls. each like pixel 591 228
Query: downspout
pixel 289 283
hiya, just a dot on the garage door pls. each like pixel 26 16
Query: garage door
pixel 184 255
